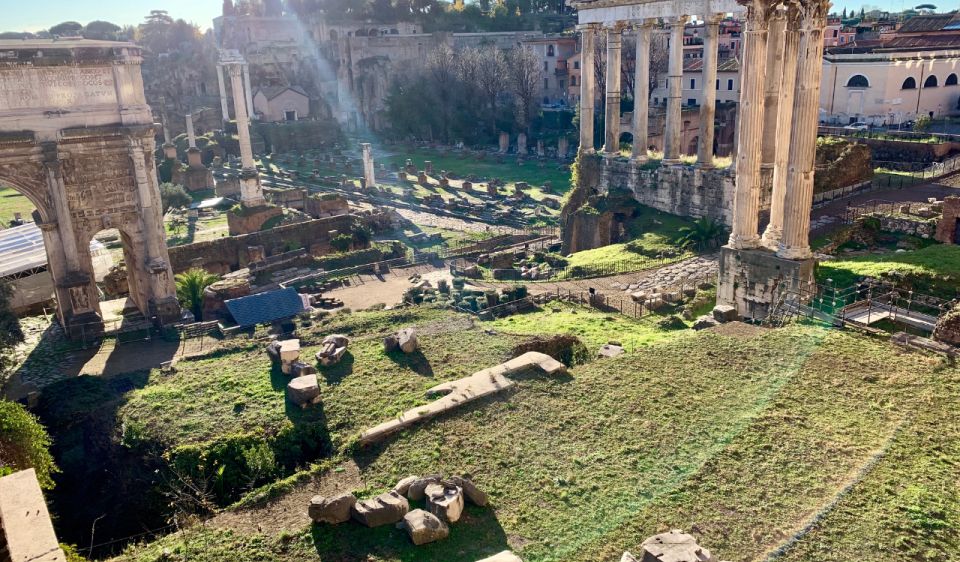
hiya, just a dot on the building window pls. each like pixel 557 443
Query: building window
pixel 909 84
pixel 550 51
pixel 691 101
pixel 858 81
pixel 546 100
pixel 836 32
pixel 546 84
pixel 562 85
pixel 718 83
pixel 290 115
pixel 930 82
pixel 693 83
pixel 545 66
pixel 951 80
pixel 730 85
pixel 576 65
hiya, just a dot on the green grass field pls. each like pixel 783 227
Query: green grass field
pixel 12 202
pixel 936 261
pixel 804 443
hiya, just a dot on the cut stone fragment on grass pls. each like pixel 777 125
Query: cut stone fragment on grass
pixel 384 509
pixel 333 510
pixel 424 527
pixel 445 500
pixel 304 391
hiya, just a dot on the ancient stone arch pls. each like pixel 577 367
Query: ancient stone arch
pixel 77 139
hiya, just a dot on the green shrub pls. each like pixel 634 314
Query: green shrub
pixel 341 242
pixel 24 444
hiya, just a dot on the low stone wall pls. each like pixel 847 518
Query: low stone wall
pixel 906 151
pixel 227 254
pixel 914 226
pixel 682 190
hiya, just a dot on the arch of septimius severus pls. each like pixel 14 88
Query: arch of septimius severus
pixel 776 122
pixel 77 139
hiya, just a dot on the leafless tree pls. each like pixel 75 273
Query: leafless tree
pixel 659 59
pixel 491 77
pixel 442 72
pixel 524 75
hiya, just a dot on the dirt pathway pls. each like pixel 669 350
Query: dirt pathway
pixel 289 511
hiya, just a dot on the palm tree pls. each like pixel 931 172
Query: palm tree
pixel 703 233
pixel 190 286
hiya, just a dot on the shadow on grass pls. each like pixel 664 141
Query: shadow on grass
pixel 477 535
pixel 416 362
pixel 334 374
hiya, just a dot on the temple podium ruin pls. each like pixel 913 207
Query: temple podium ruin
pixel 77 139
pixel 776 131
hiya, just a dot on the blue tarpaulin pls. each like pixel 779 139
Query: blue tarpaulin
pixel 264 308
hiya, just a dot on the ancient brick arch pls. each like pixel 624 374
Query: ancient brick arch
pixel 77 139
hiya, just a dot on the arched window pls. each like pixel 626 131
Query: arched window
pixel 550 51
pixel 858 81
pixel 930 82
pixel 909 84
pixel 951 80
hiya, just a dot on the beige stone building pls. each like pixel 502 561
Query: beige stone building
pixel 280 103
pixel 556 54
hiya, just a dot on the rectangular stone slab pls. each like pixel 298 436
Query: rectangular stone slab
pixel 463 391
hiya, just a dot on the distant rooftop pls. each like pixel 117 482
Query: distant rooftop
pixel 935 22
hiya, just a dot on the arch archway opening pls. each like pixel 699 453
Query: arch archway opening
pixel 858 81
pixel 930 82
pixel 909 84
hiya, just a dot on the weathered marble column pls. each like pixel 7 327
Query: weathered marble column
pixel 746 197
pixel 798 200
pixel 708 107
pixel 641 89
pixel 251 193
pixel 588 40
pixel 247 92
pixel 784 124
pixel 771 91
pixel 224 111
pixel 369 175
pixel 611 130
pixel 674 125
pixel 191 137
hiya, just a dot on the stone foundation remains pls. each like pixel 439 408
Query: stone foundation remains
pixel 749 279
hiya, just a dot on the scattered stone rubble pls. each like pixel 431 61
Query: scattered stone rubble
pixel 332 349
pixel 444 501
pixel 610 350
pixel 304 388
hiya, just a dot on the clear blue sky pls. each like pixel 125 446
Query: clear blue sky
pixel 35 15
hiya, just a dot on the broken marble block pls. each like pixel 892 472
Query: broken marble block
pixel 333 510
pixel 332 349
pixel 301 369
pixel 704 322
pixel 473 494
pixel 415 491
pixel 445 500
pixel 424 527
pixel 304 391
pixel 289 352
pixel 390 343
pixel 404 485
pixel 384 509
pixel 608 350
pixel 407 339
pixel 724 313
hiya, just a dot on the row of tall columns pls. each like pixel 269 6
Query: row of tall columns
pixel 674 125
pixel 246 93
pixel 783 48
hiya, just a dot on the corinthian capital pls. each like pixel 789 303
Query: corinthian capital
pixel 758 13
pixel 807 14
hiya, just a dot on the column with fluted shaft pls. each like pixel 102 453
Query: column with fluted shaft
pixel 588 46
pixel 708 107
pixel 251 192
pixel 611 130
pixel 641 92
pixel 798 201
pixel 674 125
pixel 746 196
pixel 784 124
